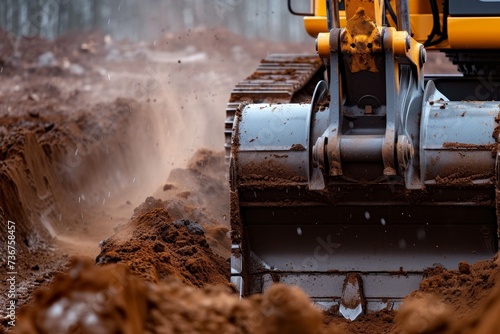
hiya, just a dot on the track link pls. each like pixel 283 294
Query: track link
pixel 277 79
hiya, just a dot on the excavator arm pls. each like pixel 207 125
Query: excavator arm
pixel 380 176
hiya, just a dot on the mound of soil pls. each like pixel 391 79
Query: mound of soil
pixel 157 246
pixel 455 302
pixel 463 289
pixel 108 299
pixel 199 192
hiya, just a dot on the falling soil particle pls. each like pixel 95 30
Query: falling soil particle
pixel 167 187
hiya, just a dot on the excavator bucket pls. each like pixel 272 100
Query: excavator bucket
pixel 353 195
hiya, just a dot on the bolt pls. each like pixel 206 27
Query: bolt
pixel 423 55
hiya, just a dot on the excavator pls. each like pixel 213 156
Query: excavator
pixel 352 174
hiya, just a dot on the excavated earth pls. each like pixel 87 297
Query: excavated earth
pixel 110 168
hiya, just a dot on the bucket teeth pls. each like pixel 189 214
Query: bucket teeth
pixel 352 303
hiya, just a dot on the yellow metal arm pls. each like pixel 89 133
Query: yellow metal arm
pixel 463 32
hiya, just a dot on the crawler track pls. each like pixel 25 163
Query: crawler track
pixel 279 78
